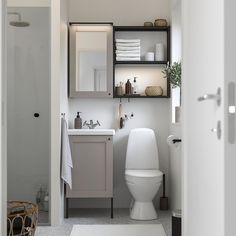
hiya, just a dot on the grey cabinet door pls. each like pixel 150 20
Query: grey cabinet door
pixel 92 173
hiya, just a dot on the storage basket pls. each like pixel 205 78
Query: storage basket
pixel 154 91
pixel 22 218
pixel 160 23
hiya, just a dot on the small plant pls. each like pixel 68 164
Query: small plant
pixel 173 72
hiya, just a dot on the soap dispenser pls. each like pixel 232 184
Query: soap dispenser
pixel 135 85
pixel 128 87
pixel 78 121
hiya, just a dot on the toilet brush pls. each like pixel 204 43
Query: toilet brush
pixel 164 200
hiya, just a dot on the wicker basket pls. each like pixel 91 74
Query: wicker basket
pixel 22 218
pixel 154 91
pixel 160 23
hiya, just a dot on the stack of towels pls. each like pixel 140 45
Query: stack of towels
pixel 128 50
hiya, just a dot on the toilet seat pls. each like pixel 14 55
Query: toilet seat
pixel 143 175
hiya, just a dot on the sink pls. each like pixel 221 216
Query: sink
pixel 91 132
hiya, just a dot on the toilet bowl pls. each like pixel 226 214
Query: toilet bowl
pixel 142 173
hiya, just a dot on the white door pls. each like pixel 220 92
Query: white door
pixel 209 49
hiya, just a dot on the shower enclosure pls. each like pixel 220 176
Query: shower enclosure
pixel 28 106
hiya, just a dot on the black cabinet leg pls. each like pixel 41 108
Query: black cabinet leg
pixel 67 208
pixel 112 208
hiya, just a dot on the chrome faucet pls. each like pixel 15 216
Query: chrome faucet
pixel 91 125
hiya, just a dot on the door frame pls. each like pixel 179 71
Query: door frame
pixel 3 159
pixel 55 180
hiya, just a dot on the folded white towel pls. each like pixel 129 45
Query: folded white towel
pixel 128 40
pixel 125 52
pixel 128 44
pixel 128 54
pixel 127 48
pixel 66 158
pixel 128 58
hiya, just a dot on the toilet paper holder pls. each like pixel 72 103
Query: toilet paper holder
pixel 176 141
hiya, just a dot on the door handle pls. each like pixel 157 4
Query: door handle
pixel 216 97
pixel 217 130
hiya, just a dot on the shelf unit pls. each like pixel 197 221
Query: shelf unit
pixel 141 29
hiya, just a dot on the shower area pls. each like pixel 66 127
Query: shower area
pixel 28 107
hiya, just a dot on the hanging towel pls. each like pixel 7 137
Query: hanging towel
pixel 66 158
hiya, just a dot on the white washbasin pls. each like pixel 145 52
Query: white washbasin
pixel 91 132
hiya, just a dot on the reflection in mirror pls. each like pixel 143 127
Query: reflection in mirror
pixel 91 60
pixel 91 51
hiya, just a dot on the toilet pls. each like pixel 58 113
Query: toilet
pixel 142 173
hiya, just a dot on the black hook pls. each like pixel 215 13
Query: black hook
pixel 177 141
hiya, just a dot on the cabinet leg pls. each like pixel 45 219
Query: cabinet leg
pixel 112 208
pixel 67 208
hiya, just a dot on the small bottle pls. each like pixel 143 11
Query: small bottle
pixel 78 121
pixel 46 202
pixel 128 87
pixel 135 86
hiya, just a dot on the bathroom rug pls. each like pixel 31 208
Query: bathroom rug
pixel 118 230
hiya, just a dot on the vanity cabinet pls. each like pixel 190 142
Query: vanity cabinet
pixel 90 60
pixel 148 73
pixel 92 173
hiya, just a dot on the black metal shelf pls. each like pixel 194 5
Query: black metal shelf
pixel 141 28
pixel 140 62
pixel 141 96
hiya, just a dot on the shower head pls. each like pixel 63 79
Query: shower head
pixel 19 22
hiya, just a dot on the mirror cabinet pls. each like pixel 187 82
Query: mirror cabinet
pixel 90 60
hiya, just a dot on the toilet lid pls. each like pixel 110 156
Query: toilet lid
pixel 144 173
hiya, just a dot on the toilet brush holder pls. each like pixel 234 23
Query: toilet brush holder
pixel 164 205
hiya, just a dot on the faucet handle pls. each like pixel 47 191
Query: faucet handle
pixel 85 123
pixel 98 123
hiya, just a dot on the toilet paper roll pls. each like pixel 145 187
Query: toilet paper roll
pixel 170 143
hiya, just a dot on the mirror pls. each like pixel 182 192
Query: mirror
pixel 91 60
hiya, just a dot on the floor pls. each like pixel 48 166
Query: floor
pixel 101 216
pixel 43 217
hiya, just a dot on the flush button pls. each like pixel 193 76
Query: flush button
pixel 36 115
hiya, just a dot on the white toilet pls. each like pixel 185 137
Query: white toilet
pixel 142 173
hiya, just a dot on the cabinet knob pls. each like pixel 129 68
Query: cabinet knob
pixel 109 139
pixel 109 94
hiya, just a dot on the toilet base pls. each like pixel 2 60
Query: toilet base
pixel 143 211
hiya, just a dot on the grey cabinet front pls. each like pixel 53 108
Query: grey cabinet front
pixel 92 173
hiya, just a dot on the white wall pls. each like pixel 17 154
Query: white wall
pixel 63 76
pixel 175 129
pixel 152 113
pixel 120 12
pixel 28 137
pixel 175 47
